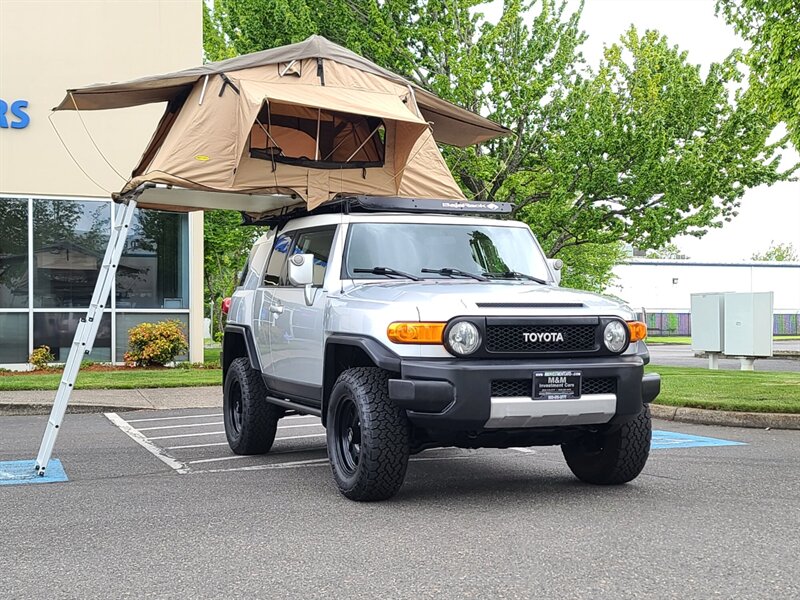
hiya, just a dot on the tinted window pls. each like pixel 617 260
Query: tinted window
pixel 317 242
pixel 69 241
pixel 411 247
pixel 154 269
pixel 276 267
pixel 14 256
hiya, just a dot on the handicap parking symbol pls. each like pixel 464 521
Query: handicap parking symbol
pixel 671 439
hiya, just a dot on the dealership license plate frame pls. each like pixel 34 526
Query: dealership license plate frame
pixel 569 389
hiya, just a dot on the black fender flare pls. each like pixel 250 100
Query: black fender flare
pixel 380 355
pixel 235 339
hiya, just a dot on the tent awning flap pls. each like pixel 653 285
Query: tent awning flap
pixel 451 124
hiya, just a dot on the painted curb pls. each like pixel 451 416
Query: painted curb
pixel 725 417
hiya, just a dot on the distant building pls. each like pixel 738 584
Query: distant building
pixel 54 221
pixel 664 287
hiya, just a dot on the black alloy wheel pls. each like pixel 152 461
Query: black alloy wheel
pixel 368 436
pixel 250 421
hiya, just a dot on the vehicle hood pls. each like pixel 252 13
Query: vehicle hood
pixel 442 300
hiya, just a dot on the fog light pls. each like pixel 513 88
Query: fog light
pixel 615 336
pixel 463 338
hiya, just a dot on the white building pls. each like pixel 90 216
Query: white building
pixel 664 287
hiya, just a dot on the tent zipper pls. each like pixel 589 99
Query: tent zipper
pixel 320 71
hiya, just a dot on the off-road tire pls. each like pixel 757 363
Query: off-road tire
pixel 612 458
pixel 371 464
pixel 253 430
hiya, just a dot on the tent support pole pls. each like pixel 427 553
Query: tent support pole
pixel 86 332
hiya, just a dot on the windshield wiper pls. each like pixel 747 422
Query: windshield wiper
pixel 452 272
pixel 388 272
pixel 516 275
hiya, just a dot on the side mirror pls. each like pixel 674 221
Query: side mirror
pixel 301 272
pixel 556 264
pixel 301 269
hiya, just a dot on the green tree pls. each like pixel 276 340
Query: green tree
pixel 777 252
pixel 772 27
pixel 637 150
pixel 589 266
pixel 666 251
pixel 226 245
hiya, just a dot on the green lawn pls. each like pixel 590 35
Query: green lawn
pixel 127 379
pixel 211 355
pixel 729 390
pixel 682 339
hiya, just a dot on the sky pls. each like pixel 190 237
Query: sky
pixel 767 213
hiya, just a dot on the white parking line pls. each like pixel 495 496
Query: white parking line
pixel 315 462
pixel 238 456
pixel 294 437
pixel 210 415
pixel 171 418
pixel 137 437
pixel 197 446
pixel 183 435
pixel 179 426
pixel 303 425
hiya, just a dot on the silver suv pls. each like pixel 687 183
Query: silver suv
pixel 405 331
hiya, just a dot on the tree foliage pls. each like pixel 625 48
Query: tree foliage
pixel 666 251
pixel 226 246
pixel 777 252
pixel 772 27
pixel 638 149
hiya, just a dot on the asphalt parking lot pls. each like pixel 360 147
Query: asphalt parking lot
pixel 157 506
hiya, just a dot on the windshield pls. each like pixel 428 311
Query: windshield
pixel 412 247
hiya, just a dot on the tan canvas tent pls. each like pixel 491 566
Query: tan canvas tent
pixel 305 122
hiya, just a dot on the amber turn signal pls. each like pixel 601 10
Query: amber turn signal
pixel 416 333
pixel 638 331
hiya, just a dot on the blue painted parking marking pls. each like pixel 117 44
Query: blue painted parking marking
pixel 21 472
pixel 671 439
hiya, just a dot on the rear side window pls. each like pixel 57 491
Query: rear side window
pixel 276 267
pixel 317 242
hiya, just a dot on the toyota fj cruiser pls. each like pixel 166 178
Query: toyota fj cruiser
pixel 406 329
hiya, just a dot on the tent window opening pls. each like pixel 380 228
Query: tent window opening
pixel 321 139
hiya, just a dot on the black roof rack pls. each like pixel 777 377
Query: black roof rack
pixel 352 204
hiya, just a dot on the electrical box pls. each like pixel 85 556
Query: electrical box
pixel 708 322
pixel 748 324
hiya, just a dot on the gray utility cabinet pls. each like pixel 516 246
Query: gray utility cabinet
pixel 708 322
pixel 748 324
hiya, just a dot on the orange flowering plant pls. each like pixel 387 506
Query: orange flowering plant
pixel 155 343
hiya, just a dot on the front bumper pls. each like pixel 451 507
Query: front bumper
pixel 457 395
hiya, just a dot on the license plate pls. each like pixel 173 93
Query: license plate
pixel 556 385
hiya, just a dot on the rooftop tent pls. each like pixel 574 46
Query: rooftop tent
pixel 304 122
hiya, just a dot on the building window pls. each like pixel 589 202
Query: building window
pixel 14 348
pixel 154 270
pixel 56 330
pixel 48 273
pixel 69 241
pixel 13 253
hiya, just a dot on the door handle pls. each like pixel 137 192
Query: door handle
pixel 276 308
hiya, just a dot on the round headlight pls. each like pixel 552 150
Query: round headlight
pixel 615 336
pixel 463 338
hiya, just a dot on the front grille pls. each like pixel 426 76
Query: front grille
pixel 511 338
pixel 509 388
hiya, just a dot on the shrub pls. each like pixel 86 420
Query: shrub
pixel 40 357
pixel 155 343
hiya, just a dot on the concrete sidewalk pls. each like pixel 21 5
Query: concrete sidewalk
pixel 41 401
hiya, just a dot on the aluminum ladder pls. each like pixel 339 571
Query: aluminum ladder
pixel 86 332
